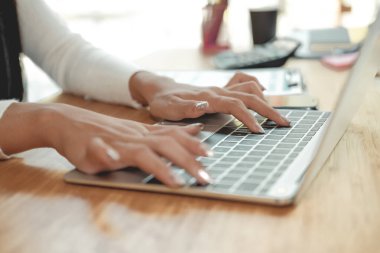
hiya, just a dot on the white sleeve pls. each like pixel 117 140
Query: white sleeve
pixel 4 104
pixel 76 66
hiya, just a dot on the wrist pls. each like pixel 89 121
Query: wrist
pixel 25 126
pixel 145 85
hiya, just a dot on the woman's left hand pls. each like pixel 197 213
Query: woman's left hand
pixel 174 101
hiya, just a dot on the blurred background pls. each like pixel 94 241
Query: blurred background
pixel 132 29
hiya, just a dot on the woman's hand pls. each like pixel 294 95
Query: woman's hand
pixel 173 101
pixel 95 142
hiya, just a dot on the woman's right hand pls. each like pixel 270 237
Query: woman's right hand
pixel 95 142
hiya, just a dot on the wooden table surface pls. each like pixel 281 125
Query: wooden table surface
pixel 340 212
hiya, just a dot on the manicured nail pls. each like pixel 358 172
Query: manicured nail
pixel 200 125
pixel 113 154
pixel 201 105
pixel 285 120
pixel 208 152
pixel 260 129
pixel 178 180
pixel 205 176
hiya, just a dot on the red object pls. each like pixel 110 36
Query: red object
pixel 212 21
pixel 341 61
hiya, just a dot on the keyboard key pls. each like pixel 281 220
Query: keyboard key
pixel 251 159
pixel 263 170
pixel 237 172
pixel 269 163
pixel 288 161
pixel 257 153
pixel 236 153
pixel 229 159
pixel 285 145
pixel 221 149
pixel 307 138
pixel 207 161
pixel 311 133
pixel 254 137
pixel 280 131
pixel 305 121
pixel 242 147
pixel 311 117
pixel 302 144
pixel 295 136
pixel 303 126
pixel 297 113
pixel 299 131
pixel 275 157
pixel 217 155
pixel 230 178
pixel 234 138
pixel 218 187
pixel 214 139
pixel 269 142
pixel 246 165
pixel 221 165
pixel 316 113
pixel 273 137
pixel 280 151
pixel 290 140
pixel 249 142
pixel 226 144
pixel 263 147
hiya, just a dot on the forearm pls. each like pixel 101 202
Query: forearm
pixel 145 85
pixel 24 126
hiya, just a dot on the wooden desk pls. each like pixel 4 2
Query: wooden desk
pixel 339 213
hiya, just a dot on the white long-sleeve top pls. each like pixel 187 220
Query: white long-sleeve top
pixel 75 65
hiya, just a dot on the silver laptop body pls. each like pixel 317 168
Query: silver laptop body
pixel 273 168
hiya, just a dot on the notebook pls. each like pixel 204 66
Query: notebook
pixel 277 81
pixel 273 168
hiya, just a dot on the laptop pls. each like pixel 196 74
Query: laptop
pixel 272 168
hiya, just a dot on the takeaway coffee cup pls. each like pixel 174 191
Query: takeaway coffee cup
pixel 263 24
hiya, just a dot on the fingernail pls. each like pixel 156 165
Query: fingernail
pixel 208 152
pixel 260 129
pixel 178 180
pixel 201 105
pixel 200 125
pixel 205 176
pixel 113 154
pixel 286 120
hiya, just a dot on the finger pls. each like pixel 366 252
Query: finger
pixel 147 160
pixel 241 77
pixel 177 108
pixel 179 155
pixel 249 87
pixel 261 107
pixel 238 109
pixel 99 157
pixel 182 136
pixel 192 129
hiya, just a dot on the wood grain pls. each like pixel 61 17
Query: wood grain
pixel 339 213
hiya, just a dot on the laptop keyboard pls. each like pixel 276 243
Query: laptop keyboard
pixel 247 163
